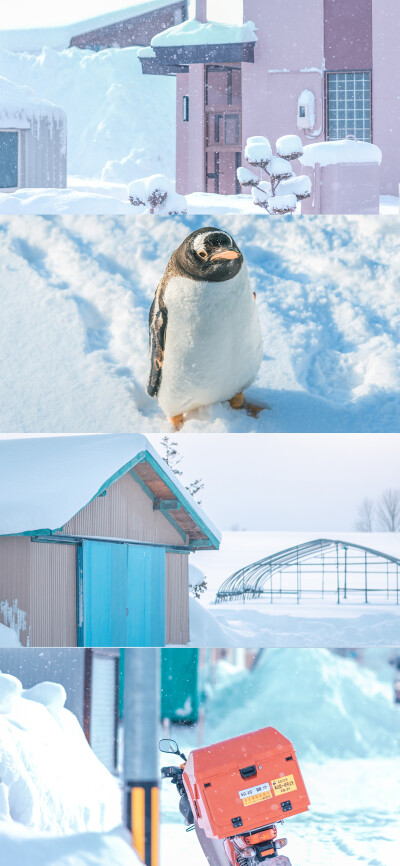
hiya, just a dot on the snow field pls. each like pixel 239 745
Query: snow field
pixel 75 295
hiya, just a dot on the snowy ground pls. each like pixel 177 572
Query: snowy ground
pixel 75 294
pixel 58 803
pixel 311 623
pixel 345 729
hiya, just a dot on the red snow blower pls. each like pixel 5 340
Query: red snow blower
pixel 235 792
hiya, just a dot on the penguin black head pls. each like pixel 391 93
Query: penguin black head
pixel 209 254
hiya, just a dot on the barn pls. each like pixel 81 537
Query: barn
pixel 95 533
pixel 33 140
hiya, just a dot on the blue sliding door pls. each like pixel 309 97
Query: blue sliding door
pixel 121 591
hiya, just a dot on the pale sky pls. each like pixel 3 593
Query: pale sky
pixel 45 13
pixel 282 482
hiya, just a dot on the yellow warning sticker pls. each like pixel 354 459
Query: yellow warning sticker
pixel 284 785
pixel 255 795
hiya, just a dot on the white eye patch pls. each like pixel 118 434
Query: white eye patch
pixel 199 241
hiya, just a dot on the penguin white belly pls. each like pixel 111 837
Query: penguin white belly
pixel 213 345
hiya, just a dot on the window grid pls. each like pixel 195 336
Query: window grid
pixel 349 105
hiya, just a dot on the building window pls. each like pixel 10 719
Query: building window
pixel 349 105
pixel 8 159
pixel 185 108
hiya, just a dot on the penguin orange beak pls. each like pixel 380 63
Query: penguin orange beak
pixel 225 254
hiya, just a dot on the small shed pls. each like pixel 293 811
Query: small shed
pixel 95 533
pixel 33 140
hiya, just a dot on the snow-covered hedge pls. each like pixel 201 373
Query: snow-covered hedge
pixel 157 195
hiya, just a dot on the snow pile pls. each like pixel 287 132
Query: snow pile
pixel 193 32
pixel 20 106
pixel 327 705
pixel 51 779
pixel 19 847
pixel 204 628
pixel 123 124
pixel 59 201
pixel 334 152
pixel 289 146
pixel 8 637
pixel 156 194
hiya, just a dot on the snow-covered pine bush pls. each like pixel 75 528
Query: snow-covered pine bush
pixel 157 195
pixel 284 189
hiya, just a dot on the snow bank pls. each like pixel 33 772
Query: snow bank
pixel 8 638
pixel 122 126
pixel 204 629
pixel 333 152
pixel 156 194
pixel 193 32
pixel 327 705
pixel 19 847
pixel 52 780
pixel 20 106
pixel 59 201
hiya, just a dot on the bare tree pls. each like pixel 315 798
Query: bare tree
pixel 366 514
pixel 388 511
pixel 173 459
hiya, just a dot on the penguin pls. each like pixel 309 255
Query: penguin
pixel 204 329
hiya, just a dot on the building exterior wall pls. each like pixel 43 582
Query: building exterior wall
pixel 348 34
pixel 133 31
pixel 289 58
pixel 177 599
pixel 41 580
pixel 43 154
pixel 190 142
pixel 385 90
pixel 124 512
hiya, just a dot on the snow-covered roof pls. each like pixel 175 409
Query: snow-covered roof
pixel 45 481
pixel 193 32
pixel 19 105
pixel 34 39
pixel 345 150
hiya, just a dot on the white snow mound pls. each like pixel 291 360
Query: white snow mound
pixel 346 150
pixel 53 779
pixel 51 695
pixel 193 32
pixel 328 706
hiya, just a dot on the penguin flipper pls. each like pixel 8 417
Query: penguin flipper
pixel 157 332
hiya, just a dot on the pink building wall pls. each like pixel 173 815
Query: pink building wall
pixel 348 34
pixel 190 135
pixel 294 52
pixel 386 90
pixel 293 41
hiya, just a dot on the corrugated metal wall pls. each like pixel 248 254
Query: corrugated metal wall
pixel 44 152
pixel 177 598
pixel 41 579
pixel 124 512
pixel 65 666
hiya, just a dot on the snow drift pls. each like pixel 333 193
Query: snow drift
pixel 328 706
pixel 122 126
pixel 58 803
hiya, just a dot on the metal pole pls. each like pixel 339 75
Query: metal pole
pixel 366 578
pixel 323 575
pixel 297 558
pixel 345 572
pixel 141 718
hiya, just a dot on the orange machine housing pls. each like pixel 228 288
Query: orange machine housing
pixel 244 783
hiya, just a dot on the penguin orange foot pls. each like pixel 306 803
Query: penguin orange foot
pixel 177 421
pixel 238 401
